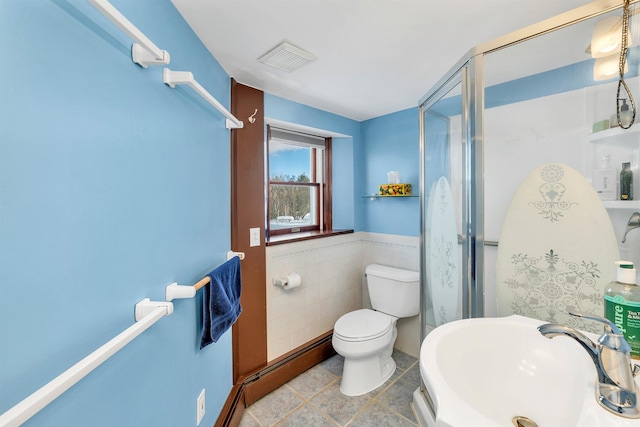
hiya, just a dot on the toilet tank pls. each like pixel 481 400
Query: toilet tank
pixel 393 290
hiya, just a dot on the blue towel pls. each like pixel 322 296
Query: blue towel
pixel 221 301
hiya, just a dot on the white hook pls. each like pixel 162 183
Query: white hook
pixel 252 118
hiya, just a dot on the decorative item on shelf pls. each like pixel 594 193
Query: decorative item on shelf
pixel 600 126
pixel 604 180
pixel 394 189
pixel 626 116
pixel 613 121
pixel 626 182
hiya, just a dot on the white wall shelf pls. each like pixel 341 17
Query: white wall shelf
pixel 616 135
pixel 622 204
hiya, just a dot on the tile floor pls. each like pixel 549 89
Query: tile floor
pixel 313 399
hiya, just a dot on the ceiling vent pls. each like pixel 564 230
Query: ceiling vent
pixel 287 57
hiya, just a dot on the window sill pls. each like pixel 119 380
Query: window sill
pixel 304 235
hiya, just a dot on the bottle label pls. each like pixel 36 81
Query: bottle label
pixel 626 315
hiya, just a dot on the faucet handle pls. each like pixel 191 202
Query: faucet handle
pixel 609 326
pixel 612 337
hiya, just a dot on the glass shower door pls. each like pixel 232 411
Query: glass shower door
pixel 442 204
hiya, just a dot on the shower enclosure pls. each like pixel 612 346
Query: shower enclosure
pixel 506 108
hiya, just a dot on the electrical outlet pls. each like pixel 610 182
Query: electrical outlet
pixel 254 236
pixel 200 407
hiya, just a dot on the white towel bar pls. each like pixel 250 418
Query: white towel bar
pixel 144 52
pixel 147 313
pixel 175 291
pixel 173 78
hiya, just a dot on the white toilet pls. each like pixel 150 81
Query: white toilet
pixel 365 337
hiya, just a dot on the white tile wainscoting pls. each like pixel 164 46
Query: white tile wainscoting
pixel 333 283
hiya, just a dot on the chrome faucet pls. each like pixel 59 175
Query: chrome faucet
pixel 616 388
pixel 633 223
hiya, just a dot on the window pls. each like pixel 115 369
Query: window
pixel 299 177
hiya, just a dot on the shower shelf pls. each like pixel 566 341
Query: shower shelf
pixel 377 196
pixel 625 136
pixel 622 204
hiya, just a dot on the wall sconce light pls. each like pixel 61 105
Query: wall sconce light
pixel 606 68
pixel 605 46
pixel 607 37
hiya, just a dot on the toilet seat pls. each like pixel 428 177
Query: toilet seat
pixel 363 325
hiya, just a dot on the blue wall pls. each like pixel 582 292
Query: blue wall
pixel 112 185
pixel 392 143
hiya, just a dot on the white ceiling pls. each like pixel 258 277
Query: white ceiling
pixel 374 56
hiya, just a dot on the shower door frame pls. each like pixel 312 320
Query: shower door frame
pixel 469 76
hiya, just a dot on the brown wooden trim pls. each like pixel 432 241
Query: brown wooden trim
pixel 253 387
pixel 249 339
pixel 328 186
pixel 314 167
pixel 299 237
pixel 268 196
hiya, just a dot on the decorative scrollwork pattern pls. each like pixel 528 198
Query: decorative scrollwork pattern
pixel 547 287
pixel 552 191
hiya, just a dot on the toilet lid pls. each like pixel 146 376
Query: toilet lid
pixel 361 325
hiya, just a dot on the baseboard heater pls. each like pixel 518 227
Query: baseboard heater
pixel 257 385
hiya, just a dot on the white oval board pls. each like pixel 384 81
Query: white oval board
pixel 442 253
pixel 557 249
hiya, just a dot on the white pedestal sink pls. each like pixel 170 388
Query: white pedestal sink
pixel 486 372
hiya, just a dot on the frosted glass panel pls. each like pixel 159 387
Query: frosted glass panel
pixel 442 255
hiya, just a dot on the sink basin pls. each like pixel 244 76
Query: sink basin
pixel 485 372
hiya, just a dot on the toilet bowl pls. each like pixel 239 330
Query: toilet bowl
pixel 365 337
